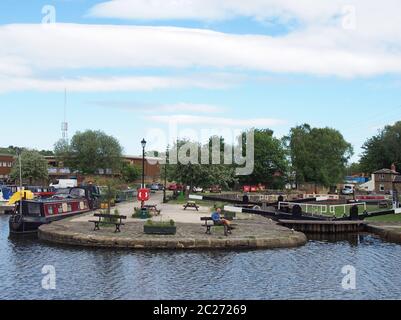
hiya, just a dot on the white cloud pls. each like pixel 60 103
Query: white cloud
pixel 213 10
pixel 35 57
pixel 216 121
pixel 159 108
pixel 111 84
pixel 71 46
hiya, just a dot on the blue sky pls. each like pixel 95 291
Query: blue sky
pixel 130 66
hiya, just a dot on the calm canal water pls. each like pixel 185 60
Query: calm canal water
pixel 310 272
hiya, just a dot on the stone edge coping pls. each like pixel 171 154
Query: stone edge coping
pixel 53 235
pixel 385 232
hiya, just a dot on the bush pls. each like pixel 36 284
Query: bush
pixel 138 214
pixel 160 224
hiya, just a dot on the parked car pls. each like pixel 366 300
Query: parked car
pixel 64 183
pixel 215 189
pixel 154 187
pixel 348 190
pixel 175 187
pixel 197 189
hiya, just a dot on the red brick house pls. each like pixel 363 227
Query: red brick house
pixel 386 180
pixel 6 163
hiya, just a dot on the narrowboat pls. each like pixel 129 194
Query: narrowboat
pixel 43 211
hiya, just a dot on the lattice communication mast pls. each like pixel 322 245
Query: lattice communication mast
pixel 64 124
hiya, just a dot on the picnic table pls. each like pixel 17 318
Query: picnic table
pixel 108 219
pixel 191 204
pixel 152 208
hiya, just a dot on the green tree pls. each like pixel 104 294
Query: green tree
pixel 109 190
pixel 90 151
pixel 130 173
pixel 354 168
pixel 194 173
pixel 318 155
pixel 271 164
pixel 34 167
pixel 383 149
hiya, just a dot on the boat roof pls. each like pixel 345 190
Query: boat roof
pixel 49 200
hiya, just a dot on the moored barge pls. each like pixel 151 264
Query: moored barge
pixel 38 212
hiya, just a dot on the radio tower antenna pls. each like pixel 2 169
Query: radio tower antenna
pixel 64 124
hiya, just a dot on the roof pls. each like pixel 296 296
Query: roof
pixel 386 171
pixel 127 157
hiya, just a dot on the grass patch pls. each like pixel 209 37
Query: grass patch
pixel 387 218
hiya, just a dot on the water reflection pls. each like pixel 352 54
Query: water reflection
pixel 309 272
pixel 354 239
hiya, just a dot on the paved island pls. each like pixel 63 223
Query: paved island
pixel 252 232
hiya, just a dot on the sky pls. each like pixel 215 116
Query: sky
pixel 157 68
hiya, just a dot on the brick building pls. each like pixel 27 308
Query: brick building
pixel 386 180
pixel 6 163
pixel 152 169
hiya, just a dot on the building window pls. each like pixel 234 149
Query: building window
pixel 382 176
pixel 10 164
pixel 382 189
pixel 5 164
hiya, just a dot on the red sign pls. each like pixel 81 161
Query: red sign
pixel 143 194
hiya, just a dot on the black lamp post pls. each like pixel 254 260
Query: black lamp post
pixel 143 142
pixel 165 177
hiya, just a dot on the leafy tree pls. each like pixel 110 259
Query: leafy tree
pixel 46 153
pixel 354 168
pixel 194 173
pixel 383 149
pixel 271 164
pixel 10 150
pixel 34 167
pixel 111 187
pixel 130 173
pixel 90 151
pixel 318 155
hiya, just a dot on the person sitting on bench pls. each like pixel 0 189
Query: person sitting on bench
pixel 216 216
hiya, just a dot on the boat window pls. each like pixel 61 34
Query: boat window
pixel 69 207
pixel 78 193
pixel 34 209
pixel 50 210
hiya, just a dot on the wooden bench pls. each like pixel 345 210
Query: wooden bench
pixel 108 219
pixel 209 226
pixel 383 204
pixel 153 208
pixel 191 204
